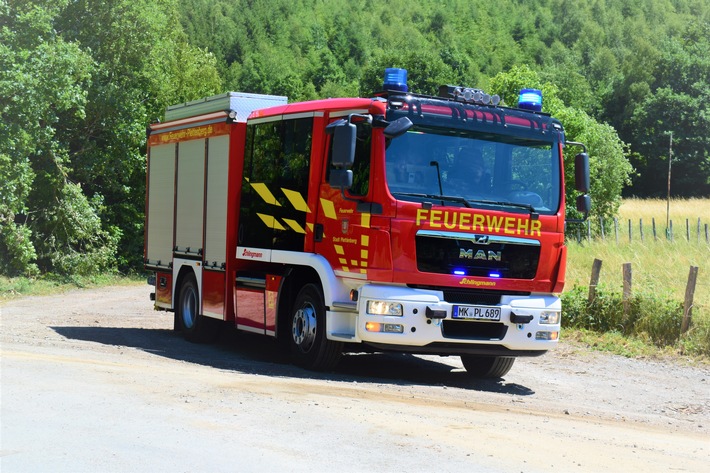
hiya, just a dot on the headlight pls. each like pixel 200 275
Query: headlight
pixel 384 308
pixel 550 318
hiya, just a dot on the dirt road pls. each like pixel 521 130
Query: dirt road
pixel 96 381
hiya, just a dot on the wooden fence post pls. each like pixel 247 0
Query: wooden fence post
pixel 653 223
pixel 616 229
pixel 641 228
pixel 594 280
pixel 627 289
pixel 629 230
pixel 688 303
pixel 687 229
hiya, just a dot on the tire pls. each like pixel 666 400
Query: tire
pixel 487 366
pixel 310 348
pixel 194 327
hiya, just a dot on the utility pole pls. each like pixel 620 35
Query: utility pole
pixel 668 201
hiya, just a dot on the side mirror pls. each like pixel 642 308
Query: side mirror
pixel 341 178
pixel 584 204
pixel 581 172
pixel 344 145
pixel 397 127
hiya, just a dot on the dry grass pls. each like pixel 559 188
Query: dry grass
pixel 660 266
pixel 680 209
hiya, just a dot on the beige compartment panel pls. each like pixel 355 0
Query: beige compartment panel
pixel 190 195
pixel 216 218
pixel 161 194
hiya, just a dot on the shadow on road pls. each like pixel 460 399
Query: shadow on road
pixel 254 354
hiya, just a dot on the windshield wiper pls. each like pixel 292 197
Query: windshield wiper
pixel 449 198
pixel 533 212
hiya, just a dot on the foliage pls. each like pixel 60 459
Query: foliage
pixel 609 166
pixel 650 316
pixel 79 81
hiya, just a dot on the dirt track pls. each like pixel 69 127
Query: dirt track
pixel 96 381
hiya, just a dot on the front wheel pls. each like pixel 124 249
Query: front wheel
pixel 487 366
pixel 310 346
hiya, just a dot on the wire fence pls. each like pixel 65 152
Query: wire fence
pixel 628 230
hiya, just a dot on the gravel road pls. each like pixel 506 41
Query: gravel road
pixel 96 381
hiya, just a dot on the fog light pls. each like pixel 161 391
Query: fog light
pixel 386 328
pixel 547 335
pixel 550 318
pixel 384 308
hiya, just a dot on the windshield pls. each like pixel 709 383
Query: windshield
pixel 474 169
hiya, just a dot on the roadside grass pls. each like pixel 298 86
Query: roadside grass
pixel 13 288
pixel 660 271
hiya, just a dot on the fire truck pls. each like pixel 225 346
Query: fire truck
pixel 402 222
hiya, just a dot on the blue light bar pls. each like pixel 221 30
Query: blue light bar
pixel 530 99
pixel 494 275
pixel 396 79
pixel 458 272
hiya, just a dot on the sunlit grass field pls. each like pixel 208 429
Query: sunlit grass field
pixel 659 266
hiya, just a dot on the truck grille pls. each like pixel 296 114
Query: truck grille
pixel 476 255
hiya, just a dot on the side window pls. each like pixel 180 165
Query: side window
pixel 275 184
pixel 361 166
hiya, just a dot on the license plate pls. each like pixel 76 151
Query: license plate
pixel 477 312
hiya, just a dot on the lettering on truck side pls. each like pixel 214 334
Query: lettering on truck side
pixel 452 220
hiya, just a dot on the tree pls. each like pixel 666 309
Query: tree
pixel 79 82
pixel 609 165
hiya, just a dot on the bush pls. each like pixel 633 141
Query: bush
pixel 653 317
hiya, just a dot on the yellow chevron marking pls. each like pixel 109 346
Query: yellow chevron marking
pixel 346 269
pixel 365 240
pixel 343 261
pixel 270 221
pixel 265 193
pixel 366 220
pixel 310 227
pixel 328 208
pixel 363 264
pixel 296 200
pixel 294 225
pixel 339 249
pixel 353 262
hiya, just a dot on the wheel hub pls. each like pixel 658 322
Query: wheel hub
pixel 304 327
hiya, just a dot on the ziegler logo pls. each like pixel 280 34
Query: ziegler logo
pixel 252 254
pixel 481 255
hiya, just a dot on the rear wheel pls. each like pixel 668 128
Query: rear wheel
pixel 194 327
pixel 487 366
pixel 310 347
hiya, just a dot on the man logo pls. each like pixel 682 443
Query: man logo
pixel 481 255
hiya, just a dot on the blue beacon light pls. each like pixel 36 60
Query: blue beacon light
pixel 396 79
pixel 530 99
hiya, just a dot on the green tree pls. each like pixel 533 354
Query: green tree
pixel 79 82
pixel 609 165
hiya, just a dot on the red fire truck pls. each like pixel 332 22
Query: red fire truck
pixel 402 222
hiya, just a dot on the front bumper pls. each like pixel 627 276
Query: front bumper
pixel 427 324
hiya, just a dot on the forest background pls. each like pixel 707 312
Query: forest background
pixel 80 80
